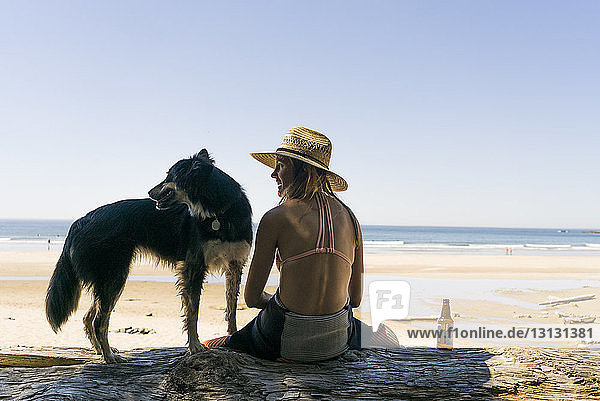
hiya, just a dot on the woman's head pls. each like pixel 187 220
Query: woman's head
pixel 301 166
pixel 307 148
pixel 298 180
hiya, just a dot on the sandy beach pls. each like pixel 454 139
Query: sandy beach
pixel 484 289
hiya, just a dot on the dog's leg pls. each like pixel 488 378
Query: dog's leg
pixel 88 325
pixel 233 277
pixel 191 278
pixel 106 300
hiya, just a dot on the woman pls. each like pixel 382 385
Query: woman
pixel 316 243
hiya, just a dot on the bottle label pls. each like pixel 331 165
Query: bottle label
pixel 445 335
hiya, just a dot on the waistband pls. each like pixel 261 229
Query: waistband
pixel 279 303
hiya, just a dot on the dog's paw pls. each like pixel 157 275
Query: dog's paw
pixel 98 350
pixel 114 358
pixel 197 347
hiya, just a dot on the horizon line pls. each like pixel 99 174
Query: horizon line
pixel 362 225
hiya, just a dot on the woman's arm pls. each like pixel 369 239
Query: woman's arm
pixel 262 261
pixel 355 288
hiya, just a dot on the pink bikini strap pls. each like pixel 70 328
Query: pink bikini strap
pixel 314 251
pixel 321 236
pixel 301 255
pixel 325 218
pixel 330 222
pixel 336 252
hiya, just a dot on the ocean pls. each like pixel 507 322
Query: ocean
pixel 50 234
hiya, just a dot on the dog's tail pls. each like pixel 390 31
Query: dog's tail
pixel 63 292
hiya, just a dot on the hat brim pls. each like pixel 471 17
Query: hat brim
pixel 338 184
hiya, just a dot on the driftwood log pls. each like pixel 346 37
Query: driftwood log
pixel 219 374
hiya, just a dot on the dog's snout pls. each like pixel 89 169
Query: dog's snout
pixel 154 192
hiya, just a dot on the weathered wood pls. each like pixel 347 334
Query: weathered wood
pixel 138 379
pixel 413 373
pixel 42 357
pixel 37 361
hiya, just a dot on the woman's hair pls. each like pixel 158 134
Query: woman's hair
pixel 310 180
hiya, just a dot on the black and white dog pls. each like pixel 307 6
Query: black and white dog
pixel 198 221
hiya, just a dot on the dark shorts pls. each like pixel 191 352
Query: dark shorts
pixel 262 336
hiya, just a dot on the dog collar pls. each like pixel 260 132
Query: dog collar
pixel 215 224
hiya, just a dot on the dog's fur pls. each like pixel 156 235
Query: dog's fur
pixel 198 221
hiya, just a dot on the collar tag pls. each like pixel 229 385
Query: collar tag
pixel 216 225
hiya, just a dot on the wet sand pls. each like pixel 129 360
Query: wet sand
pixel 156 306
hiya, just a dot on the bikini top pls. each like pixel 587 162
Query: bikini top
pixel 325 226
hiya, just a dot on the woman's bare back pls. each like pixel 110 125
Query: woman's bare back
pixel 316 284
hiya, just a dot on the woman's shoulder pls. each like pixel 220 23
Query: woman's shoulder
pixel 282 213
pixel 275 215
pixel 287 206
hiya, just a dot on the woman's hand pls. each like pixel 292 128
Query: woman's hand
pixel 265 297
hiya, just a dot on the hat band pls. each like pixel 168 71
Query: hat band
pixel 303 155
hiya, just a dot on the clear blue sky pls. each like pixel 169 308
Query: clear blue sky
pixel 469 113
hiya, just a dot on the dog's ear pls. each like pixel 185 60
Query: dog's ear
pixel 203 154
pixel 198 164
pixel 199 175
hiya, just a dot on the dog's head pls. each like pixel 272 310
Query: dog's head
pixel 186 181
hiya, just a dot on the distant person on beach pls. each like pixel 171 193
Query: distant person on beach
pixel 316 242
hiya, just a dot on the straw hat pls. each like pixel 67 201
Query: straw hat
pixel 309 146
